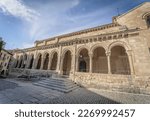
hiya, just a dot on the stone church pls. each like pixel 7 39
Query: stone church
pixel 115 56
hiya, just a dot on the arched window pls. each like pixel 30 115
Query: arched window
pixel 148 21
pixel 99 61
pixel 46 61
pixel 146 17
pixel 54 61
pixel 31 61
pixel 67 63
pixel 83 60
pixel 39 59
pixel 119 61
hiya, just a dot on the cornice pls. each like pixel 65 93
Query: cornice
pixel 89 39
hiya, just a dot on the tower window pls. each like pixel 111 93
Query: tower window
pixel 148 21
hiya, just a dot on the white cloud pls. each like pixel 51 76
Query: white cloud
pixel 18 9
pixel 27 44
pixel 51 17
pixel 48 19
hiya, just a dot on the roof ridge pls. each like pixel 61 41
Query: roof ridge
pixel 80 31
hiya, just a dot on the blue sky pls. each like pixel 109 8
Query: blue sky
pixel 22 22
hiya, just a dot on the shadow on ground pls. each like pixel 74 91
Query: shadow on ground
pixel 82 96
pixel 41 95
pixel 4 84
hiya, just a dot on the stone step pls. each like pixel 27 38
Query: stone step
pixel 61 89
pixel 57 87
pixel 60 84
pixel 56 83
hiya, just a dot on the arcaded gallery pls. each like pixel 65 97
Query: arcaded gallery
pixel 115 56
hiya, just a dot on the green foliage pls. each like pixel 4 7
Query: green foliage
pixel 2 43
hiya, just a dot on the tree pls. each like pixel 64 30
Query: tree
pixel 2 43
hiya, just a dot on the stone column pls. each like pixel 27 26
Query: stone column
pixel 108 54
pixel 129 53
pixel 18 63
pixel 22 63
pixel 34 64
pixel 49 63
pixel 61 65
pixel 91 61
pixel 27 62
pixel 42 63
pixel 73 61
pixel 77 63
pixel 59 60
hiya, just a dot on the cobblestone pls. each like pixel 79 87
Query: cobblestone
pixel 15 92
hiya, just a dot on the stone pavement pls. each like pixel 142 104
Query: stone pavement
pixel 14 91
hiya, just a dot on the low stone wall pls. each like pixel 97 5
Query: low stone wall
pixel 33 72
pixel 125 83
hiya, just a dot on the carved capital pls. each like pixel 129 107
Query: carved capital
pixel 129 52
pixel 90 54
pixel 108 53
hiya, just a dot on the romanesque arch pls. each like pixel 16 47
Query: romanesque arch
pixel 83 60
pixel 96 46
pixel 119 60
pixel 118 43
pixel 39 60
pixel 67 63
pixel 31 61
pixel 146 16
pixel 54 61
pixel 99 60
pixel 46 61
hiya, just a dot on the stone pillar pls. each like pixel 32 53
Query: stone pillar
pixel 129 53
pixel 108 54
pixel 59 60
pixel 22 63
pixel 77 63
pixel 72 63
pixel 49 63
pixel 27 62
pixel 73 60
pixel 42 63
pixel 34 64
pixel 18 63
pixel 61 64
pixel 91 61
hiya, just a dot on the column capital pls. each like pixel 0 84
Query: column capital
pixel 108 53
pixel 90 54
pixel 72 55
pixel 44 57
pixel 129 52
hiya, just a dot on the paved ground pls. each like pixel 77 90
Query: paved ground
pixel 14 91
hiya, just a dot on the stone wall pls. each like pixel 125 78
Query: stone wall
pixel 125 83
